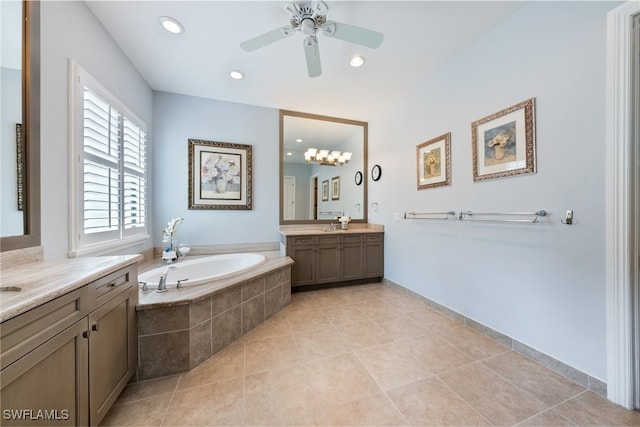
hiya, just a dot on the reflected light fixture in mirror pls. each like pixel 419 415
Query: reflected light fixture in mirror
pixel 325 157
pixel 319 157
pixel 30 131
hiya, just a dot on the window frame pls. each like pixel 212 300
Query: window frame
pixel 81 243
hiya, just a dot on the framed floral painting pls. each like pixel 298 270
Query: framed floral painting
pixel 433 162
pixel 219 175
pixel 325 190
pixel 504 143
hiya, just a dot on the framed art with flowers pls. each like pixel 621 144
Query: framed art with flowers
pixel 219 175
pixel 504 143
pixel 433 162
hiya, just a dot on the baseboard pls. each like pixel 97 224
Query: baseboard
pixel 561 368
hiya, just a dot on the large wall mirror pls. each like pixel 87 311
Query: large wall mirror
pixel 20 124
pixel 323 168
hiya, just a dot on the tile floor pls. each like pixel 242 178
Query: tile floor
pixel 366 355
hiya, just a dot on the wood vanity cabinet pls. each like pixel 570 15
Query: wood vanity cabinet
pixel 66 361
pixel 373 255
pixel 303 252
pixel 335 258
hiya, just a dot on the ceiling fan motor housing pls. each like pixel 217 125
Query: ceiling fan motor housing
pixel 307 19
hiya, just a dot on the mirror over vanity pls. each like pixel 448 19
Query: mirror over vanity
pixel 20 125
pixel 323 168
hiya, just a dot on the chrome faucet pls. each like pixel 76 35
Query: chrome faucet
pixel 162 283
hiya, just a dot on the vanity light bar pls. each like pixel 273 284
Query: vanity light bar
pixel 325 157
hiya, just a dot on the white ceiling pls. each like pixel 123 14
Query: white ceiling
pixel 419 37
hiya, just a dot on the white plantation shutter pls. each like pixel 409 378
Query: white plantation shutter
pixel 134 147
pixel 101 154
pixel 110 148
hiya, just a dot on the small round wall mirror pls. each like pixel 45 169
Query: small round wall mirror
pixel 376 172
pixel 358 178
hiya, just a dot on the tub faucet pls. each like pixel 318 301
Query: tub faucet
pixel 162 283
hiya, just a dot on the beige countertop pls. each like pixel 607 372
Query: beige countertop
pixel 188 294
pixel 306 230
pixel 42 281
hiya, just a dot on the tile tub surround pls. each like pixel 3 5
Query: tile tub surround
pixel 180 329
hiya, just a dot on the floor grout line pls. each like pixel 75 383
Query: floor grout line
pixel 166 411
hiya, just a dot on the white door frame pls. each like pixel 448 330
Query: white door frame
pixel 313 203
pixel 289 197
pixel 619 210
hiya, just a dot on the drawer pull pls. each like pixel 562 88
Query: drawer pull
pixel 85 334
pixel 111 285
pixel 94 327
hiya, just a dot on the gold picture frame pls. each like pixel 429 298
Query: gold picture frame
pixel 433 162
pixel 504 143
pixel 335 188
pixel 219 175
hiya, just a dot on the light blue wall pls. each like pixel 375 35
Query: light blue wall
pixel 70 31
pixel 178 118
pixel 544 284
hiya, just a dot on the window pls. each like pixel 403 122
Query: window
pixel 108 169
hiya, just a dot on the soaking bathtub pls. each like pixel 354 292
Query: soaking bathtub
pixel 203 270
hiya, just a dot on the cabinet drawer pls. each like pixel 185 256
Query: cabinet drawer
pixel 373 237
pixel 328 240
pixel 306 240
pixel 352 238
pixel 25 332
pixel 111 285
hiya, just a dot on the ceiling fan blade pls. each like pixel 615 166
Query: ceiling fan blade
pixel 353 34
pixel 266 38
pixel 312 54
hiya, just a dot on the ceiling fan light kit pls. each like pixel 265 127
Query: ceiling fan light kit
pixel 309 18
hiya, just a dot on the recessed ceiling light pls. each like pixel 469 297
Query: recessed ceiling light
pixel 289 153
pixel 299 140
pixel 236 74
pixel 171 25
pixel 357 61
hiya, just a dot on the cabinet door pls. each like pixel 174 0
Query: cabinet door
pixel 373 259
pixel 112 352
pixel 327 263
pixel 352 261
pixel 304 267
pixel 48 386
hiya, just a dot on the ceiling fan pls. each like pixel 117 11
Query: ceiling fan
pixel 309 17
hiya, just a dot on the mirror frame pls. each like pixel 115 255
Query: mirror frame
pixel 365 143
pixel 30 129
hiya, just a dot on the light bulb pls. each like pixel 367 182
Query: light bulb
pixel 171 25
